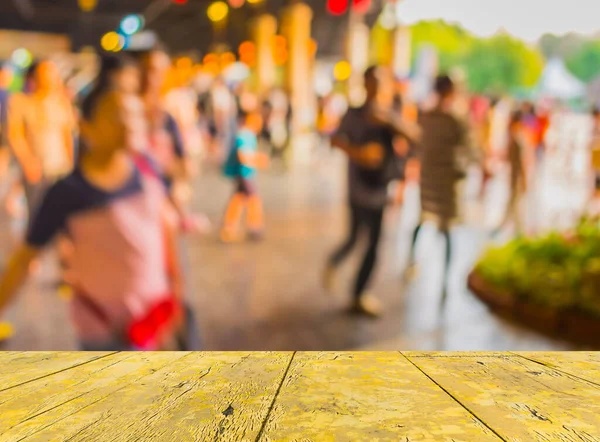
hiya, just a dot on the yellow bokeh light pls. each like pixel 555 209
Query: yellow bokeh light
pixel 87 5
pixel 342 71
pixel 217 11
pixel 255 2
pixel 111 42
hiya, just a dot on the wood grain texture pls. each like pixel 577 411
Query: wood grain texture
pixel 366 396
pixel 454 354
pixel 326 396
pixel 584 365
pixel 19 367
pixel 520 399
pixel 74 392
pixel 172 397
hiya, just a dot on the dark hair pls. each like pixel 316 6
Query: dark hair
pixel 596 111
pixel 444 86
pixel 370 72
pixel 29 76
pixel 109 65
pixel 32 70
pixel 242 115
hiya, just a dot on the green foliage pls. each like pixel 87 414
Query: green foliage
pixel 585 62
pixel 499 64
pixel 452 42
pixel 558 271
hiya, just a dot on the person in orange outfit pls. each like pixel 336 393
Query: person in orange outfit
pixel 241 166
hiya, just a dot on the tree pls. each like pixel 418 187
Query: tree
pixel 585 63
pixel 452 41
pixel 502 64
pixel 499 64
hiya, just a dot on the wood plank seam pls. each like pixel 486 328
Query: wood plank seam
pixel 283 378
pixel 556 368
pixel 91 403
pixel 456 399
pixel 59 371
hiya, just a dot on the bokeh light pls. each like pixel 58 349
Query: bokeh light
pixel 337 7
pixel 247 47
pixel 342 71
pixel 184 63
pixel 87 5
pixel 132 24
pixel 210 58
pixel 227 59
pixel 111 42
pixel 236 3
pixel 22 58
pixel 217 11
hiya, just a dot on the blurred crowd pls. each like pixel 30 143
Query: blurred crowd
pixel 107 174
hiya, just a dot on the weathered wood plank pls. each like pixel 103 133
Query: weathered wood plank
pixel 455 354
pixel 19 367
pixel 366 396
pixel 37 397
pixel 519 399
pixel 584 365
pixel 91 383
pixel 225 396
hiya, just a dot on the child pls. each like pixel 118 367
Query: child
pixel 518 180
pixel 240 166
pixel 125 298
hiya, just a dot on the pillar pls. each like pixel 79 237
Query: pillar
pixel 264 29
pixel 402 51
pixel 357 53
pixel 296 28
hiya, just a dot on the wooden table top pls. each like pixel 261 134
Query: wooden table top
pixel 326 396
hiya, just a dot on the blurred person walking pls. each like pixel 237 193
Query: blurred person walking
pixel 166 140
pixel 366 135
pixel 518 175
pixel 127 288
pixel 41 129
pixel 446 151
pixel 241 166
pixel 223 113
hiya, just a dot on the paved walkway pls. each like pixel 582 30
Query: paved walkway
pixel 267 296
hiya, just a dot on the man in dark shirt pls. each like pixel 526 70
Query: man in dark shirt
pixel 366 135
